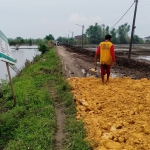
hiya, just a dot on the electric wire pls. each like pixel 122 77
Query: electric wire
pixel 122 17
pixel 144 5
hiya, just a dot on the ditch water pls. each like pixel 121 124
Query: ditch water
pixel 21 55
pixel 144 57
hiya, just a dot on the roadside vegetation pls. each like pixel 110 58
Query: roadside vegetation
pixel 31 124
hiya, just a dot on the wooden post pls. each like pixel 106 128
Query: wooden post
pixel 11 85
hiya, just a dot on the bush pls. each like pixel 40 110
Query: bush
pixel 42 48
pixel 50 44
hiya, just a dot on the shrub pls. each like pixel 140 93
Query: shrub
pixel 42 47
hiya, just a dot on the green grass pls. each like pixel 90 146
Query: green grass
pixel 31 123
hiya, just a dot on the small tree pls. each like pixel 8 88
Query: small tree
pixel 50 44
pixel 49 37
pixel 16 42
pixel 137 40
pixel 42 47
pixel 29 41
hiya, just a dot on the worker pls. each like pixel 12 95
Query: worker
pixel 107 57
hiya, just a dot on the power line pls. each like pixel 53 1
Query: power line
pixel 122 16
pixel 144 5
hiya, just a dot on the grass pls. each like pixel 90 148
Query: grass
pixel 31 124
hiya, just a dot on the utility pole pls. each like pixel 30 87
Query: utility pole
pixel 72 33
pixel 133 27
pixel 82 33
pixel 133 36
pixel 68 38
pixel 72 37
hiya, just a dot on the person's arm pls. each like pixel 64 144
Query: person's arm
pixel 113 54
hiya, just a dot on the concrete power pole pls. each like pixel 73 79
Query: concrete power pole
pixel 72 33
pixel 133 27
pixel 72 37
pixel 82 36
pixel 82 33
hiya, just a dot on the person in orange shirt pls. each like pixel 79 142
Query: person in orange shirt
pixel 107 57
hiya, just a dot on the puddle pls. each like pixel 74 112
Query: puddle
pixel 144 47
pixel 144 57
pixel 70 72
pixel 88 74
pixel 83 71
pixel 113 75
pixel 116 49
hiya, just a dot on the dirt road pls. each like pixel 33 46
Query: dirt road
pixel 115 115
pixel 74 64
pixel 77 63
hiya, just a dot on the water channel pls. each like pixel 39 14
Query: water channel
pixel 21 55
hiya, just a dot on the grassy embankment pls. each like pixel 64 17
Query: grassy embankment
pixel 31 124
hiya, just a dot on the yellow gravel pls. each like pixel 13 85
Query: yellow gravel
pixel 116 116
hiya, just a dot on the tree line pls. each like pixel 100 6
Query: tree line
pixel 94 34
pixel 20 41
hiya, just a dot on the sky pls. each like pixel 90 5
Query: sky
pixel 38 18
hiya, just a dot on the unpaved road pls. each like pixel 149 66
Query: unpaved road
pixel 74 64
pixel 78 64
pixel 115 116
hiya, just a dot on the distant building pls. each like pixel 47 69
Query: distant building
pixel 78 37
pixel 146 38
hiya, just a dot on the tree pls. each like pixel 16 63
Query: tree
pixel 107 30
pixel 137 40
pixel 11 42
pixel 113 33
pixel 16 42
pixel 49 37
pixel 123 31
pixel 61 39
pixel 103 31
pixel 29 41
pixel 94 34
pixel 42 47
pixel 37 41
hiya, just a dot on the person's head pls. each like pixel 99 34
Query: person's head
pixel 108 37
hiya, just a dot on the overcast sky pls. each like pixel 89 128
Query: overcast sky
pixel 38 18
